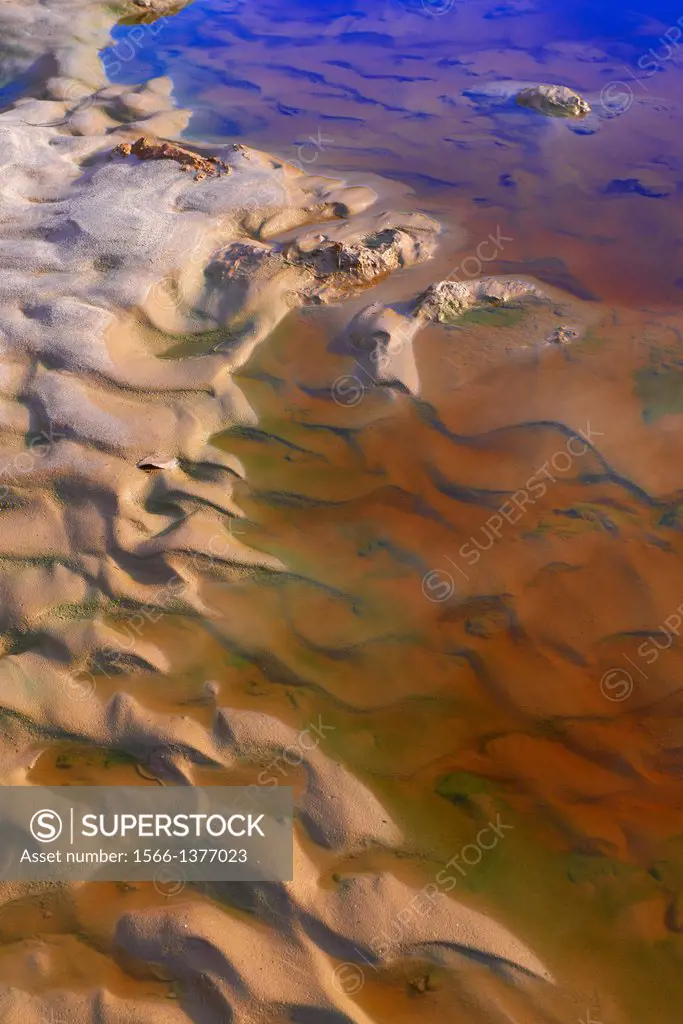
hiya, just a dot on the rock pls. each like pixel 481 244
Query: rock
pixel 446 301
pixel 321 268
pixel 147 11
pixel 419 985
pixel 553 100
pixel 563 335
pixel 156 149
pixel 249 286
pixel 343 266
pixel 152 463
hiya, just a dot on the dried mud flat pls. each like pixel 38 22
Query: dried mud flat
pixel 313 454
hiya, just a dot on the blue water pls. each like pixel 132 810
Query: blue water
pixel 206 47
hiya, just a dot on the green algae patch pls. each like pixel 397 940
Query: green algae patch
pixel 198 344
pixel 660 391
pixel 94 757
pixel 492 316
pixel 460 787
pixel 590 342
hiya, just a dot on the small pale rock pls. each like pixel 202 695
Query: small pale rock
pixel 152 463
pixel 553 101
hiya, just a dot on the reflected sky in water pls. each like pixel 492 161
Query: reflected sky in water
pixel 386 89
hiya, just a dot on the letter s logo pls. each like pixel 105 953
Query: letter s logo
pixel 46 826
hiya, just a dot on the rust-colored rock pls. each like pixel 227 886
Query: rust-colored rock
pixel 157 149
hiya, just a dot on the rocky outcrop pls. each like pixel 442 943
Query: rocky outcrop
pixel 147 11
pixel 383 341
pixel 563 335
pixel 553 101
pixel 446 301
pixel 250 285
pixel 556 101
pixel 157 149
pixel 340 266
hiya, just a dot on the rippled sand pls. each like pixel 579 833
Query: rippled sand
pixel 416 589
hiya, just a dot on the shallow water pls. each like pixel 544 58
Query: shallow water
pixel 377 89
